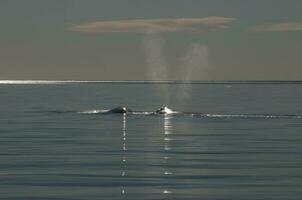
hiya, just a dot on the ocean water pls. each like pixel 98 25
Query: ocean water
pixel 231 141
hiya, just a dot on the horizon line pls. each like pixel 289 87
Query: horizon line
pixel 17 82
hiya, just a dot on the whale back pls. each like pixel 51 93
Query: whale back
pixel 120 109
pixel 164 110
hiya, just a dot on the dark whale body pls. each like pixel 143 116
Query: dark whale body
pixel 125 110
pixel 164 110
pixel 121 110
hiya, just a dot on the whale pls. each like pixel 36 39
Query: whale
pixel 125 110
pixel 120 110
pixel 164 110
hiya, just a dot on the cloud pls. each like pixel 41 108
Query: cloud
pixel 156 25
pixel 279 27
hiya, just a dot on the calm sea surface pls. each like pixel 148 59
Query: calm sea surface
pixel 243 142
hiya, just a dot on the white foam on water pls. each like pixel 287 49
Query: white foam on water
pixel 142 113
pixel 168 173
pixel 248 116
pixel 93 111
pixel 167 111
pixel 167 192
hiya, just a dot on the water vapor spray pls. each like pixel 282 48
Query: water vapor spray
pixel 194 66
pixel 155 58
pixel 157 65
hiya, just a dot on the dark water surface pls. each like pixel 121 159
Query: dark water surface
pixel 246 144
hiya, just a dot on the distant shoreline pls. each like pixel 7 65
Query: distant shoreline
pixel 29 82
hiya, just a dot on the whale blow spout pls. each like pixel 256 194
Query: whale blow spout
pixel 164 110
pixel 121 110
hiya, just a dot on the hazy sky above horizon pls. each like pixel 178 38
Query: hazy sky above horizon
pixel 151 39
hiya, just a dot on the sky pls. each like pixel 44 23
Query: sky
pixel 150 40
